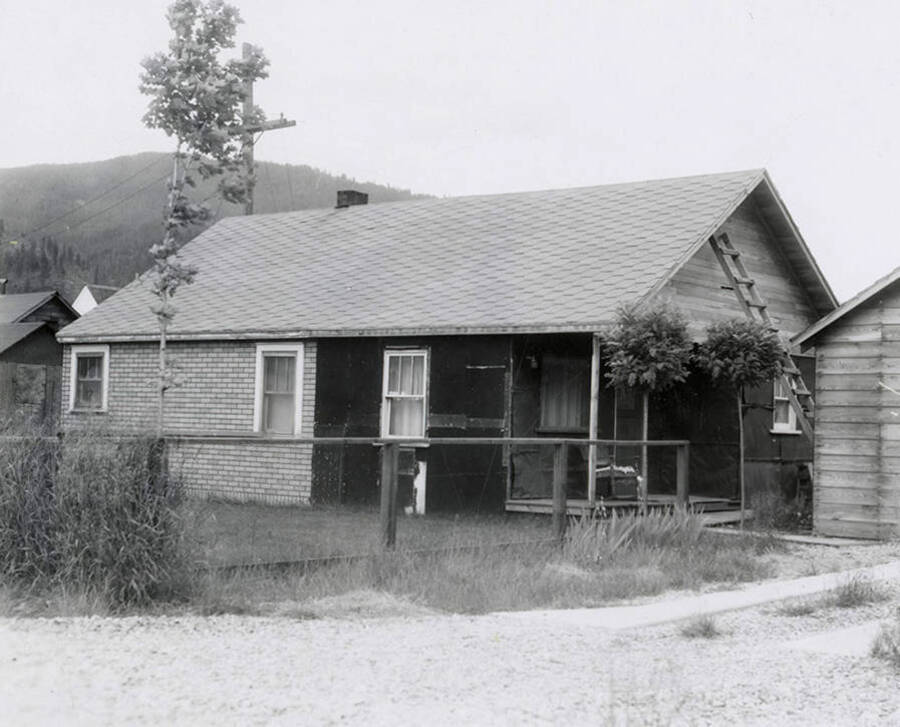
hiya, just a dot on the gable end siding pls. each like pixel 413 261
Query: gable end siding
pixel 857 451
pixel 217 397
pixel 696 287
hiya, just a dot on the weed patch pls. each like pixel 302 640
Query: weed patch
pixel 858 590
pixel 887 642
pixel 91 515
pixel 701 627
pixel 796 609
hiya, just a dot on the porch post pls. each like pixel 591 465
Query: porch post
pixel 560 476
pixel 592 423
pixel 682 467
pixel 389 457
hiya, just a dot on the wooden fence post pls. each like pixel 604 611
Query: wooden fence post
pixel 389 462
pixel 560 478
pixel 682 467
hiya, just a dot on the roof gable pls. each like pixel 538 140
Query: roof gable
pixel 534 261
pixel 15 307
pixel 855 302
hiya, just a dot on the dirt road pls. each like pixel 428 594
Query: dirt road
pixel 438 670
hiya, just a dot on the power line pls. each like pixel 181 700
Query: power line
pixel 95 199
pixel 116 204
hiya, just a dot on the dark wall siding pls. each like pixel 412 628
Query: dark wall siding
pixel 466 397
pixel 40 347
pixel 53 312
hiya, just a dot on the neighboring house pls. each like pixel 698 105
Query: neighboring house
pixel 90 296
pixel 30 356
pixel 472 316
pixel 857 450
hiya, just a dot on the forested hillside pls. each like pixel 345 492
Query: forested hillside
pixel 65 225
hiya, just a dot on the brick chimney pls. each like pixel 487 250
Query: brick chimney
pixel 350 198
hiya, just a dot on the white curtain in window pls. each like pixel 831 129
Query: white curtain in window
pixel 406 418
pixel 565 391
pixel 405 394
pixel 89 382
pixel 278 394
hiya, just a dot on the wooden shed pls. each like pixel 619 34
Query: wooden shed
pixel 857 447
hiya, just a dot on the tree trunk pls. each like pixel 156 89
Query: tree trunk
pixel 644 474
pixel 163 371
pixel 740 409
pixel 162 316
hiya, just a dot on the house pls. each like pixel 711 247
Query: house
pixel 857 449
pixel 30 356
pixel 90 296
pixel 462 317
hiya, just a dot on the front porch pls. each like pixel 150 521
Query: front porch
pixel 558 390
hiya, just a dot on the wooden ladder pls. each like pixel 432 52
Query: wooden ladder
pixel 753 305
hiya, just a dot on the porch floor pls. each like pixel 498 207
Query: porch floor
pixel 716 510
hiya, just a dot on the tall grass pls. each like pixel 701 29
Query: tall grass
pixel 887 642
pixel 94 514
pixel 601 561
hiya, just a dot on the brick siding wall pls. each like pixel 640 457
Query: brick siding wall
pixel 216 396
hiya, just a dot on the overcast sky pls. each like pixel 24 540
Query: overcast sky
pixel 487 96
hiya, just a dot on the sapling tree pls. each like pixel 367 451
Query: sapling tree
pixel 741 353
pixel 196 98
pixel 648 348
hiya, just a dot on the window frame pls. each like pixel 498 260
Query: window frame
pixel 88 350
pixel 790 426
pixel 425 354
pixel 278 349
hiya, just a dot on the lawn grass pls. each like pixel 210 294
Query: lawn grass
pixel 600 562
pixel 236 534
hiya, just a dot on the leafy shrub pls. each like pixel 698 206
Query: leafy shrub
pixel 94 513
pixel 741 353
pixel 649 347
pixel 772 511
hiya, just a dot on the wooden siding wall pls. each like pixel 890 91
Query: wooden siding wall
pixel 857 452
pixel 696 288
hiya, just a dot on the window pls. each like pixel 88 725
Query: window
pixel 89 378
pixel 279 373
pixel 404 400
pixel 784 418
pixel 565 393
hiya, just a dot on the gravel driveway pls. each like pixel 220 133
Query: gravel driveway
pixel 436 670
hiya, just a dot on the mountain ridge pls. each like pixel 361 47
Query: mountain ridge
pixel 64 225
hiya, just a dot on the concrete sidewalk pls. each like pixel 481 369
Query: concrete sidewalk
pixel 659 612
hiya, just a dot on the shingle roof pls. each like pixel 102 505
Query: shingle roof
pixel 18 305
pixel 12 333
pixel 551 260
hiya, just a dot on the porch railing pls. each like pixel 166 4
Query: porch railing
pixel 390 449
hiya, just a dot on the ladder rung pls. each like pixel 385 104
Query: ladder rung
pixel 728 251
pixel 793 371
pixel 756 305
pixel 745 281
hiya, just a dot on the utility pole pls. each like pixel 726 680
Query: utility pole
pixel 249 131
